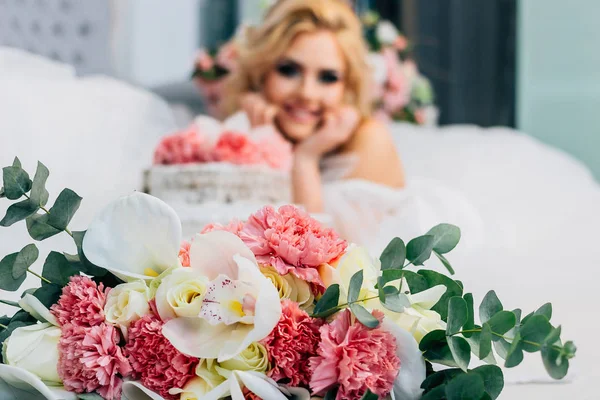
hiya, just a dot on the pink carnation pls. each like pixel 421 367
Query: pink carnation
pixel 91 360
pixel 81 303
pixel 355 358
pixel 155 361
pixel 274 150
pixel 291 241
pixel 236 148
pixel 235 226
pixel 184 253
pixel 181 148
pixel 291 344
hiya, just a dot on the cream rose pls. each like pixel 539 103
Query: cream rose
pixel 254 358
pixel 126 303
pixel 35 349
pixel 207 378
pixel 290 287
pixel 181 293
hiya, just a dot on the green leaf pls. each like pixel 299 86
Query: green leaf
pixel 23 316
pixel 435 394
pixel 48 295
pixel 445 237
pixel 17 162
pixel 416 282
pixel 394 255
pixel 369 396
pixel 65 206
pixel 89 396
pixel 475 341
pixel 489 307
pixel 440 378
pixel 363 316
pixel 18 212
pixel 545 310
pixel 485 341
pixel 465 387
pixel 570 349
pixel 10 303
pixel 553 336
pixel 515 353
pixel 470 324
pixel 555 363
pixel 39 194
pixel 457 315
pixel 502 322
pixel 331 394
pixel 25 258
pixel 395 302
pixel 57 269
pixel 39 228
pixel 7 282
pixel 445 262
pixel 419 249
pixel 16 182
pixel 461 351
pixel 355 285
pixel 328 303
pixel 86 266
pixel 493 379
pixel 10 328
pixel 436 350
pixel 535 330
pixel 2 194
pixel 389 275
pixel 452 289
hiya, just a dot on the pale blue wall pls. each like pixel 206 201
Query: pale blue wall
pixel 558 97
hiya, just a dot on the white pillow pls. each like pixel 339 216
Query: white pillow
pixel 22 63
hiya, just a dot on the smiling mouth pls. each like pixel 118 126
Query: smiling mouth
pixel 302 115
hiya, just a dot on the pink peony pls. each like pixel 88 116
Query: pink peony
pixel 181 148
pixel 291 344
pixel 184 253
pixel 291 241
pixel 91 360
pixel 355 358
pixel 203 60
pixel 81 303
pixel 235 226
pixel 155 361
pixel 236 148
pixel 274 150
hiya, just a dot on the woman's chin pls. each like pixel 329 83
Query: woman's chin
pixel 296 132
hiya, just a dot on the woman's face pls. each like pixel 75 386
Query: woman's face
pixel 307 81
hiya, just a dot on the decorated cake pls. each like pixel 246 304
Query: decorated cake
pixel 213 171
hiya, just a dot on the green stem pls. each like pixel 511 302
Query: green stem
pixel 39 276
pixel 3 326
pixel 48 212
pixel 356 301
pixel 508 339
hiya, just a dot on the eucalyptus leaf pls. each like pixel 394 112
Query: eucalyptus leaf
pixel 10 329
pixel 18 212
pixel 331 394
pixel 369 396
pixel 457 315
pixel 390 275
pixel 364 316
pixel 39 228
pixel 570 348
pixel 328 303
pixel 57 269
pixel 396 302
pixel 7 282
pixel 475 341
pixel 48 295
pixel 355 285
pixel 86 266
pixel 419 249
pixel 485 341
pixel 23 316
pixel 436 350
pixel 446 237
pixel 416 282
pixel 25 258
pixel 545 310
pixel 452 289
pixel 16 182
pixel 493 379
pixel 461 351
pixel 394 255
pixel 514 356
pixel 2 194
pixel 39 194
pixel 465 387
pixel 470 324
pixel 535 330
pixel 489 307
pixel 16 162
pixel 445 262
pixel 10 303
pixel 440 378
pixel 502 322
pixel 435 394
pixel 64 208
pixel 555 363
pixel 553 336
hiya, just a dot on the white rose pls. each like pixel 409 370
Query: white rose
pixel 181 293
pixel 290 287
pixel 126 303
pixel 386 33
pixel 35 349
pixel 207 378
pixel 378 67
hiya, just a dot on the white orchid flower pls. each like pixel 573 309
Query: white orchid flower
pixel 135 237
pixel 18 384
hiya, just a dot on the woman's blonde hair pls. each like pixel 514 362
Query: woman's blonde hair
pixel 263 46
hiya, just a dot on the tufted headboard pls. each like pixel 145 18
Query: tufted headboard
pixel 71 31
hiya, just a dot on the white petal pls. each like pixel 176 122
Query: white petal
pixel 133 234
pixel 407 385
pixel 209 128
pixel 260 385
pixel 220 392
pixel 25 385
pixel 212 253
pixel 428 298
pixel 133 390
pixel 218 308
pixel 35 307
pixel 238 122
pixel 196 337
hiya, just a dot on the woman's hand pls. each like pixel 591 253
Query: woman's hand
pixel 338 126
pixel 259 111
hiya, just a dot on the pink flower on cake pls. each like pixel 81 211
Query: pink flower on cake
pixel 355 358
pixel 275 151
pixel 291 344
pixel 81 303
pixel 236 148
pixel 91 360
pixel 184 254
pixel 292 241
pixel 155 361
pixel 235 226
pixel 181 148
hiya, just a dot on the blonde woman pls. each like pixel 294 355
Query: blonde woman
pixel 305 71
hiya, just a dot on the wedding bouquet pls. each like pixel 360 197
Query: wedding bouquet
pixel 275 307
pixel 401 93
